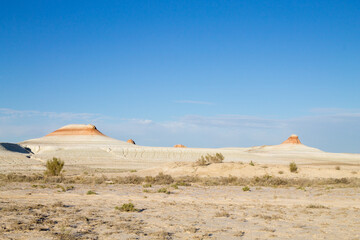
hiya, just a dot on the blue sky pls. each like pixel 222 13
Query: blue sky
pixel 199 73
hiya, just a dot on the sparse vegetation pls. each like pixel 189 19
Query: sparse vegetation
pixel 127 207
pixel 246 189
pixel 281 172
pixel 147 185
pixel 175 186
pixel 163 179
pixel 222 213
pixel 54 167
pixel 315 206
pixel 293 168
pixel 337 167
pixel 90 192
pixel 163 190
pixel 39 180
pixel 252 163
pixel 209 159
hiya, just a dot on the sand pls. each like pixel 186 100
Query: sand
pixel 223 212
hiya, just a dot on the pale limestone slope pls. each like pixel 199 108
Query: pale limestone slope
pixel 105 152
pixel 84 145
pixel 15 157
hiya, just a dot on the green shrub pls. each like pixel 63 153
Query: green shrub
pixel 293 167
pixel 246 189
pixel 127 207
pixel 54 167
pixel 147 185
pixel 252 163
pixel 90 192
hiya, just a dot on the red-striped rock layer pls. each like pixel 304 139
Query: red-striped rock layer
pixel 76 129
pixel 179 146
pixel 293 139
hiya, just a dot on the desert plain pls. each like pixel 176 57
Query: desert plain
pixel 112 189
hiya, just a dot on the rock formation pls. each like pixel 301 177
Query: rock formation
pixel 76 129
pixel 179 146
pixel 293 139
pixel 131 141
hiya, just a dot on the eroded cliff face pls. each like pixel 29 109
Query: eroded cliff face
pixel 293 139
pixel 76 129
pixel 179 146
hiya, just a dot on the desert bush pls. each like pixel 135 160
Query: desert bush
pixel 162 179
pixel 202 162
pixel 175 186
pixel 127 207
pixel 149 179
pixel 54 167
pixel 90 192
pixel 337 167
pixel 252 163
pixel 133 179
pixel 316 206
pixel 222 213
pixel 147 185
pixel 281 172
pixel 246 189
pixel 163 190
pixel 208 159
pixel 182 183
pixel 293 167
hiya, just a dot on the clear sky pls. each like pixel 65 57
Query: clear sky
pixel 198 73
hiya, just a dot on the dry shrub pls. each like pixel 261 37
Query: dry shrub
pixel 293 167
pixel 162 179
pixel 54 167
pixel 316 206
pixel 127 207
pixel 149 179
pixel 163 190
pixel 208 159
pixel 222 213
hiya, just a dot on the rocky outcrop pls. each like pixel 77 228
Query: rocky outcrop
pixel 179 146
pixel 293 139
pixel 76 129
pixel 131 141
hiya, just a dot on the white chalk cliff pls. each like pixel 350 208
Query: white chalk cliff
pixel 85 145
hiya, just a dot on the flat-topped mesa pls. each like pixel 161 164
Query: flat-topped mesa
pixel 293 139
pixel 131 141
pixel 76 129
pixel 179 146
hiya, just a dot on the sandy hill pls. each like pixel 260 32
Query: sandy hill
pixel 85 145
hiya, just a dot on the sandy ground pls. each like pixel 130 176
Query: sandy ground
pixel 186 213
pixel 66 211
